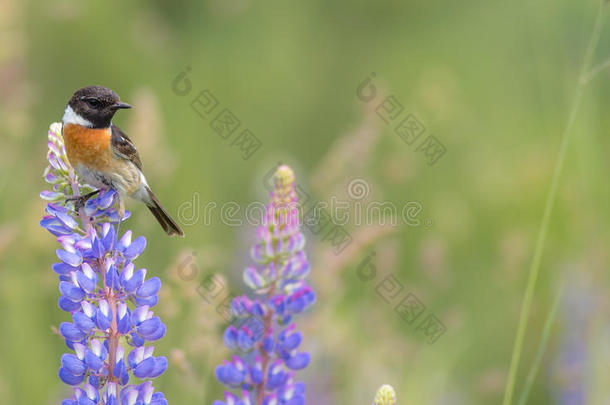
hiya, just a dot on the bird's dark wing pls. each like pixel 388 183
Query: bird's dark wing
pixel 123 147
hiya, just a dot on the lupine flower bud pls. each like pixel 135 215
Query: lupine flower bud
pixel 266 340
pixel 385 396
pixel 108 299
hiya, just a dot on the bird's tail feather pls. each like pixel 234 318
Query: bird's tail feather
pixel 167 223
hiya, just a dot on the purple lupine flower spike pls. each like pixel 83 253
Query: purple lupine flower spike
pixel 108 299
pixel 266 340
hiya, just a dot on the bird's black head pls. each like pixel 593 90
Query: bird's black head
pixel 93 106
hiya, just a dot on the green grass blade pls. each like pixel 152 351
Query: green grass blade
pixel 548 209
pixel 541 347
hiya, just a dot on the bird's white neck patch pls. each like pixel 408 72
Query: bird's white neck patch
pixel 71 117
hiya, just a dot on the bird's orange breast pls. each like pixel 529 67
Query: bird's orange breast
pixel 88 146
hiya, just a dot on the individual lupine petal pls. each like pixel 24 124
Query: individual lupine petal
pixel 55 226
pixel 63 268
pixel 292 390
pixel 292 394
pixel 103 315
pixel 71 333
pixel 385 396
pixel 288 339
pixel 149 326
pixel 120 369
pixel 132 281
pixel 156 335
pixel 136 339
pixel 112 275
pixel 125 241
pixel 256 371
pixel 90 209
pixel 67 304
pixel 140 314
pixel 268 247
pixel 230 337
pixel 241 305
pixel 71 291
pixel 160 367
pixel 95 356
pixel 149 287
pixel 56 163
pixel 53 148
pixel 145 392
pixel 51 178
pixel 279 303
pixel 152 329
pixel 253 278
pixel 257 254
pixel 297 266
pixel 97 248
pixel 111 395
pixel 65 219
pixel 296 242
pixel 150 301
pixel 158 399
pixel 83 322
pixel 231 374
pixel 301 299
pixel 93 361
pixel 129 395
pixel 268 343
pixel 70 378
pixel 88 309
pixel 73 364
pixel 73 259
pixel 135 248
pixel 136 356
pixel 276 376
pixel 94 381
pixel 244 340
pixel 92 394
pixel 105 199
pixel 87 278
pixel 68 242
pixel 257 309
pixel 50 195
pixel 144 368
pixel 108 236
pixel 83 244
pixel 246 397
pixel 123 318
pixel 298 361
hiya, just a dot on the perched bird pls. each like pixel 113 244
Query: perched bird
pixel 103 155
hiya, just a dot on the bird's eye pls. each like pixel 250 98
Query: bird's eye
pixel 92 102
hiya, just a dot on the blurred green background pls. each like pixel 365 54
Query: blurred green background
pixel 493 81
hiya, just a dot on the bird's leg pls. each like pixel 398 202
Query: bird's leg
pixel 81 200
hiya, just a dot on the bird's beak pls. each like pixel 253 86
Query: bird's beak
pixel 120 105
